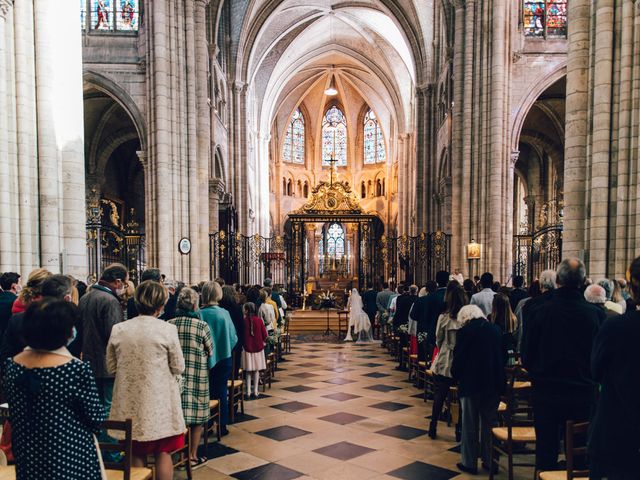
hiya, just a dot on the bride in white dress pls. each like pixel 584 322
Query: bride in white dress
pixel 358 319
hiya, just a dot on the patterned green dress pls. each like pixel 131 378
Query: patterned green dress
pixel 197 347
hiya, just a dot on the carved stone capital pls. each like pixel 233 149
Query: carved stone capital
pixel 142 156
pixel 457 4
pixel 530 201
pixel 5 5
pixel 239 87
pixel 202 3
pixel 216 187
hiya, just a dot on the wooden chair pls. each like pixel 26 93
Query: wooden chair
pixel 182 455
pixel 572 451
pixel 123 470
pixel 518 431
pixel 286 337
pixel 343 316
pixel 213 422
pixel 266 375
pixel 236 394
pixel 429 384
pixel 413 366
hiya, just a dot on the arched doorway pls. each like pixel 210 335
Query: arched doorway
pixel 539 183
pixel 115 183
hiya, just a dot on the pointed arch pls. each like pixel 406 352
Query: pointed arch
pixel 293 148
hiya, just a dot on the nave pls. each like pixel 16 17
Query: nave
pixel 336 411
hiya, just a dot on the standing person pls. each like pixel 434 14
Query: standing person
pixel 224 338
pixel 145 356
pixel 556 349
pixel 404 303
pixel 148 274
pixel 358 319
pixel 446 332
pixel 55 408
pixel 478 366
pixel 614 437
pixel 267 311
pixel 382 302
pixel 230 304
pixel 369 300
pixel 275 298
pixel 609 304
pixel 10 285
pixel 426 311
pixel 100 311
pixel 596 295
pixel 484 298
pixel 197 348
pixel 503 317
pixel 518 293
pixel 254 338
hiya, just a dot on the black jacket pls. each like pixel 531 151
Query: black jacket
pixel 235 312
pixel 6 303
pixel 614 437
pixel 403 304
pixel 369 303
pixel 478 362
pixel 515 296
pixel 557 343
pixel 426 311
pixel 12 342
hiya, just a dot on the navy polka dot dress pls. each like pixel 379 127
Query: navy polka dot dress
pixel 54 414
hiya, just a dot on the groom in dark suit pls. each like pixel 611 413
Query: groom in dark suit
pixel 369 301
pixel 427 309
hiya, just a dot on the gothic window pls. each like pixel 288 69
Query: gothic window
pixel 335 241
pixel 545 18
pixel 293 149
pixel 110 15
pixel 363 190
pixel 378 188
pixel 305 190
pixel 334 137
pixel 374 151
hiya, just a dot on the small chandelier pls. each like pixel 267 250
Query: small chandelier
pixel 331 89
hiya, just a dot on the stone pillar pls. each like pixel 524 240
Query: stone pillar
pixel 216 191
pixel 311 238
pixel 576 129
pixel 8 260
pixel 200 269
pixel 60 125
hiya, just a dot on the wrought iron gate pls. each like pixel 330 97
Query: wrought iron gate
pixel 534 253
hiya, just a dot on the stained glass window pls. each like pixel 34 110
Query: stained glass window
pixel 110 15
pixel 102 15
pixel 127 16
pixel 83 14
pixel 374 151
pixel 545 18
pixel 334 137
pixel 335 241
pixel 293 148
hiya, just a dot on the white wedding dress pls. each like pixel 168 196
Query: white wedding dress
pixel 358 319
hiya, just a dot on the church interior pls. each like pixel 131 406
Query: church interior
pixel 368 178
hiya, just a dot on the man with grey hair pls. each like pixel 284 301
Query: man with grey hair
pixel 556 351
pixel 597 295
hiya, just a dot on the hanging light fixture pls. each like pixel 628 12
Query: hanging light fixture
pixel 331 89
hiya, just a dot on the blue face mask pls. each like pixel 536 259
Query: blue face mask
pixel 74 334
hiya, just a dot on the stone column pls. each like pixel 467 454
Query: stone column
pixel 457 242
pixel 216 191
pixel 203 141
pixel 311 238
pixel 60 138
pixel 576 128
pixel 26 145
pixel 7 238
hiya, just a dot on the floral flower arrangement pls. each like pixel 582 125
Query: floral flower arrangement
pixel 273 338
pixel 404 328
pixel 422 337
pixel 326 299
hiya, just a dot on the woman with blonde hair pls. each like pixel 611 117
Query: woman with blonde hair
pixel 224 337
pixel 31 291
pixel 145 355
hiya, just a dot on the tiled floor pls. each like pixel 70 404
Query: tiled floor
pixel 345 415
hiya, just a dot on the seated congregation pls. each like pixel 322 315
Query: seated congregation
pixel 151 373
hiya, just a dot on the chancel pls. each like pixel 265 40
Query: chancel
pixel 319 239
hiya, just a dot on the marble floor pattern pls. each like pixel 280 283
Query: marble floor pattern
pixel 336 411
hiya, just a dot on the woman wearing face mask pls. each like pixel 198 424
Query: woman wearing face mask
pixel 55 408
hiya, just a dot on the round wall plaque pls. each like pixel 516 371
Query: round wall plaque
pixel 184 246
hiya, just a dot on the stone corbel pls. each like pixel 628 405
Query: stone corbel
pixel 142 156
pixel 216 187
pixel 5 5
pixel 515 154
